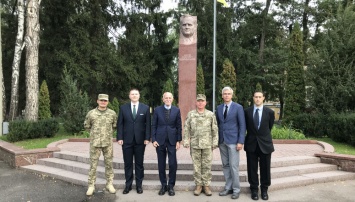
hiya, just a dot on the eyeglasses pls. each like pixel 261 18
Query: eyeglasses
pixel 103 100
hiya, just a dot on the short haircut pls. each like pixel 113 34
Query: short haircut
pixel 227 88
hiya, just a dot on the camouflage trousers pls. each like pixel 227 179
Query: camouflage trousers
pixel 95 153
pixel 202 163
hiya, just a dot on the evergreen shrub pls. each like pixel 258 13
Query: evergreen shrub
pixel 22 129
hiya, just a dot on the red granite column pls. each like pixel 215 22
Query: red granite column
pixel 187 64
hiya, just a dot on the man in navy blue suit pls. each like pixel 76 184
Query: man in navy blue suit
pixel 231 130
pixel 258 145
pixel 133 133
pixel 166 137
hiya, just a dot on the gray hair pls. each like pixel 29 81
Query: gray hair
pixel 227 88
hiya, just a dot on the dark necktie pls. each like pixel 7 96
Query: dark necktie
pixel 256 119
pixel 167 114
pixel 225 112
pixel 134 111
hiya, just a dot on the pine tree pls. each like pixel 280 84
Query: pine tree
pixel 200 85
pixel 44 111
pixel 74 104
pixel 228 78
pixel 169 87
pixel 114 105
pixel 295 95
pixel 258 88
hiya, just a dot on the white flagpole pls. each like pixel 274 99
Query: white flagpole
pixel 214 54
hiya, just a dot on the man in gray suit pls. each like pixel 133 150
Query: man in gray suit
pixel 231 130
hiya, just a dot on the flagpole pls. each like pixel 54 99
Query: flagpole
pixel 214 54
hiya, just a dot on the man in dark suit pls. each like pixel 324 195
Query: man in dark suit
pixel 231 130
pixel 133 133
pixel 258 145
pixel 166 137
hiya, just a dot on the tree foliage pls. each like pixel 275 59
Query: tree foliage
pixel 331 71
pixel 114 105
pixel 44 111
pixel 75 104
pixel 295 95
pixel 228 78
pixel 200 80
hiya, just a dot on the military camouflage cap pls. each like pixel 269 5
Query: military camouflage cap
pixel 201 97
pixel 102 97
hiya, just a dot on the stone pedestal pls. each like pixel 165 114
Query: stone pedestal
pixel 187 78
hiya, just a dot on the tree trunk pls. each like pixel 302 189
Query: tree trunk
pixel 17 60
pixel 32 42
pixel 305 26
pixel 262 38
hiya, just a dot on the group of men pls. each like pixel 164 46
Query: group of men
pixel 230 129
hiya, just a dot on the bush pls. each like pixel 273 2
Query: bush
pixel 21 129
pixel 340 128
pixel 286 133
pixel 311 125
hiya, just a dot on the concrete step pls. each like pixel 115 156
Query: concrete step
pixel 187 164
pixel 278 183
pixel 83 168
pixel 310 178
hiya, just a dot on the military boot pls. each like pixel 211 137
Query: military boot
pixel 198 190
pixel 90 191
pixel 111 189
pixel 207 190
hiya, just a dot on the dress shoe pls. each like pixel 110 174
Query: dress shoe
pixel 225 192
pixel 264 195
pixel 139 190
pixel 198 190
pixel 111 189
pixel 235 195
pixel 171 191
pixel 126 190
pixel 207 190
pixel 254 195
pixel 90 191
pixel 163 190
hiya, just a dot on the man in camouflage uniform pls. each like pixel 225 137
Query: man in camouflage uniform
pixel 201 135
pixel 101 123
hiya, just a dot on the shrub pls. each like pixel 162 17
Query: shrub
pixel 22 129
pixel 286 133
pixel 311 125
pixel 340 128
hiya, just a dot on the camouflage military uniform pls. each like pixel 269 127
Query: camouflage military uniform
pixel 201 132
pixel 101 125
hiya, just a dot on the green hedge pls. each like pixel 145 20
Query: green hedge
pixel 311 125
pixel 339 127
pixel 22 130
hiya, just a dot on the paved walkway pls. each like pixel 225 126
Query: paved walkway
pixel 281 150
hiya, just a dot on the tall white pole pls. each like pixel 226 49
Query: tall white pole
pixel 214 53
pixel 1 79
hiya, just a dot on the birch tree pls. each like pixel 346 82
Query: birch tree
pixel 32 43
pixel 17 59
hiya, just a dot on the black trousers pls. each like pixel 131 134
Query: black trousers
pixel 254 160
pixel 135 151
pixel 162 151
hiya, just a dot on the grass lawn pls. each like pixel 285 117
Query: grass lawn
pixel 43 142
pixel 340 148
